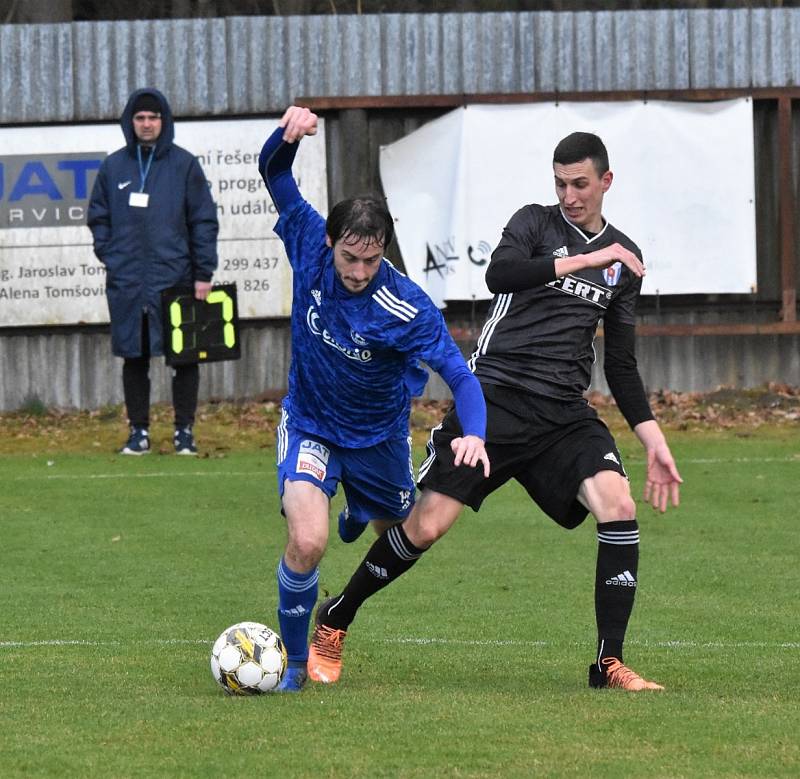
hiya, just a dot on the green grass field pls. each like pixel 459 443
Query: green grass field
pixel 118 573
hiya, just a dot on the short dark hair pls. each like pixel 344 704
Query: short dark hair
pixel 582 146
pixel 365 217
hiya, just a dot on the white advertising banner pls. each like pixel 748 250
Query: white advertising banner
pixel 683 189
pixel 48 271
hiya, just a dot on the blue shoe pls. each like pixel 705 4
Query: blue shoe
pixel 138 442
pixel 293 680
pixel 349 528
pixel 184 440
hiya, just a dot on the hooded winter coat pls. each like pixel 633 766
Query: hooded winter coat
pixel 171 242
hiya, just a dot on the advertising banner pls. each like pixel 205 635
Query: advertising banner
pixel 683 189
pixel 48 271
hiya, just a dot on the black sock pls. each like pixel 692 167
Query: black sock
pixel 615 584
pixel 387 559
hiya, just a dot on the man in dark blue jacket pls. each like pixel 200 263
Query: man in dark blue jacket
pixel 155 226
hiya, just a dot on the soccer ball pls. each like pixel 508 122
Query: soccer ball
pixel 248 658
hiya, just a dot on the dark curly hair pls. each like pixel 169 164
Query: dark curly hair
pixel 366 218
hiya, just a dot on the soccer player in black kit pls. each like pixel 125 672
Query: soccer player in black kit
pixel 557 271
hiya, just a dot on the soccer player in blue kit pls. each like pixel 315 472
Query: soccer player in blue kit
pixel 359 331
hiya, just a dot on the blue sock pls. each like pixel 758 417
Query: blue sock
pixel 297 594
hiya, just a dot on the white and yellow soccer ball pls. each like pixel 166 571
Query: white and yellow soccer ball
pixel 248 658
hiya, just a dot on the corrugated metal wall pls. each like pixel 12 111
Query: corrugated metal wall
pixel 74 368
pixel 257 65
pixel 245 65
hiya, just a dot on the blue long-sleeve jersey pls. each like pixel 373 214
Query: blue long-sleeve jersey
pixel 355 357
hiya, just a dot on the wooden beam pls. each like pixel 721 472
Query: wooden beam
pixel 376 102
pixel 679 331
pixel 744 328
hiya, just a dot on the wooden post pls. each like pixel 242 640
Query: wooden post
pixel 786 209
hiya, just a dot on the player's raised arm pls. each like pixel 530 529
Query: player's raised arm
pixel 278 153
pixel 297 122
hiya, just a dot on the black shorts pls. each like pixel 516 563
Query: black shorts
pixel 548 446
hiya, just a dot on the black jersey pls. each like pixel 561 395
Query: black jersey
pixel 541 340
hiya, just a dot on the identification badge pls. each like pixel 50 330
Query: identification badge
pixel 138 199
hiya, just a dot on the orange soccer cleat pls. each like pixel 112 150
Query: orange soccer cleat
pixel 614 674
pixel 325 651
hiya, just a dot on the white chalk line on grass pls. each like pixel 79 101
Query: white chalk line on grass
pixel 660 644
pixel 247 474
pixel 420 641
pixel 154 475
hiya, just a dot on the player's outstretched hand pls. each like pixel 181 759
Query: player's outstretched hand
pixel 663 480
pixel 604 258
pixel 470 450
pixel 297 122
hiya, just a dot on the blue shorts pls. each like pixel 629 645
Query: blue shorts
pixel 378 481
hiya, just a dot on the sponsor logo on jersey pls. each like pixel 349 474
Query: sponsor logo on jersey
pixel 312 320
pixel 612 274
pixel 580 288
pixel 562 251
pixel 307 464
pixel 358 354
pixel 357 339
pixel 317 449
pixel 313 458
pixel 317 295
